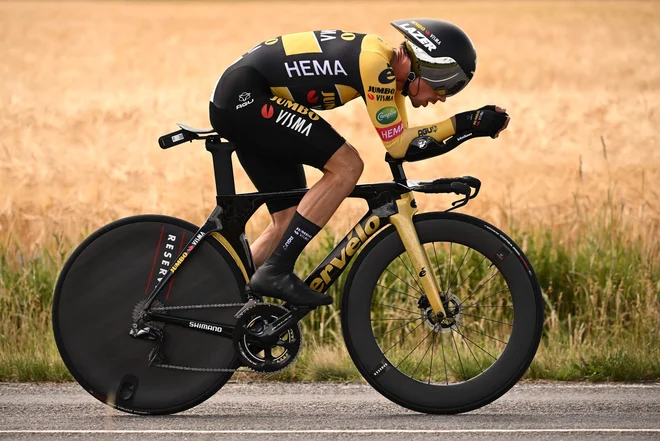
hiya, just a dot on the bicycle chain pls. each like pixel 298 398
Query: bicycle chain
pixel 196 369
pixel 212 305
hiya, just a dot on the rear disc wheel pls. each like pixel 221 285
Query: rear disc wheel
pixel 111 272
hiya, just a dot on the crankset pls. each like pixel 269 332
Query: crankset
pixel 261 346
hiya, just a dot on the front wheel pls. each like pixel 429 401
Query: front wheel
pixel 470 358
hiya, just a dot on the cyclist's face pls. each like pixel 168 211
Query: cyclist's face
pixel 422 94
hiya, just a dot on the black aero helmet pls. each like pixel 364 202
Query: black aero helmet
pixel 440 52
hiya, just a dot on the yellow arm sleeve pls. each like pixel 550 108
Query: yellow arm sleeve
pixel 387 109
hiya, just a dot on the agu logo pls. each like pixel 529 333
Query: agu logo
pixel 312 97
pixel 267 111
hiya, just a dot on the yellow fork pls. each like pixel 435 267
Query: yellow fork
pixel 403 223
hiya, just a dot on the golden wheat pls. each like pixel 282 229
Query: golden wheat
pixel 86 88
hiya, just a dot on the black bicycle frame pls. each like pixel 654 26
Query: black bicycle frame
pixel 233 212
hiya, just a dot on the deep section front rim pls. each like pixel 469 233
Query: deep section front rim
pixel 378 328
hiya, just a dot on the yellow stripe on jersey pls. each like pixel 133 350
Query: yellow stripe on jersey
pixel 282 92
pixel 300 43
pixel 346 93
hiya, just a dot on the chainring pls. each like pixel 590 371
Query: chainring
pixel 261 356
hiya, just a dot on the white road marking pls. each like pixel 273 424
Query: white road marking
pixel 248 431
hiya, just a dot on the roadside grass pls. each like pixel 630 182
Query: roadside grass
pixel 600 278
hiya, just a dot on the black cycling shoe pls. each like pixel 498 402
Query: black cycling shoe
pixel 271 281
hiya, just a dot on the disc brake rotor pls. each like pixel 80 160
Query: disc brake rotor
pixel 454 310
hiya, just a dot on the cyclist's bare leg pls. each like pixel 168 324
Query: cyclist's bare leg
pixel 266 243
pixel 275 278
pixel 340 174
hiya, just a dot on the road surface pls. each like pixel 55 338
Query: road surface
pixel 275 411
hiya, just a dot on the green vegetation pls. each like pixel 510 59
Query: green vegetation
pixel 600 280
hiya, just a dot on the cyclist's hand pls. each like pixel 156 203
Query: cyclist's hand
pixel 490 120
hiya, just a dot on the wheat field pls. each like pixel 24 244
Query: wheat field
pixel 88 87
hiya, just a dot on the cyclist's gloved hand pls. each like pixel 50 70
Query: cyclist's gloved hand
pixel 489 120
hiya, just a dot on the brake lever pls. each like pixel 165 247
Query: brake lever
pixel 460 188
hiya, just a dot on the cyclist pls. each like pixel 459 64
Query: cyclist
pixel 263 103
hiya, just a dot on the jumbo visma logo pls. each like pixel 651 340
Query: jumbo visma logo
pixel 387 115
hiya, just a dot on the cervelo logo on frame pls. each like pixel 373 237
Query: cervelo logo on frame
pixel 243 98
pixel 387 115
pixel 419 36
pixel 310 68
pixel 391 132
pixel 360 236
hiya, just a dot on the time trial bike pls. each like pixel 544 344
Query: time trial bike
pixel 441 312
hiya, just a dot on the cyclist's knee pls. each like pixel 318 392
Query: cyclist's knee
pixel 345 163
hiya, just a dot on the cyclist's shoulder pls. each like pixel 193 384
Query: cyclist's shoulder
pixel 375 44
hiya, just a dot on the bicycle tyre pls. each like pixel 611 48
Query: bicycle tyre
pixel 357 312
pixel 99 286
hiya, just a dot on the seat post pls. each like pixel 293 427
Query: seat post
pixel 222 167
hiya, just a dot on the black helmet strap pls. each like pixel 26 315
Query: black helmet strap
pixel 409 79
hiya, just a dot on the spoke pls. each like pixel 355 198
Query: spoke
pixel 460 266
pixel 490 320
pixel 437 266
pixel 394 307
pixel 378 320
pixel 444 361
pixel 432 351
pixel 482 285
pixel 466 338
pixel 470 349
pixel 400 292
pixel 495 306
pixel 449 266
pixel 423 356
pixel 458 354
pixel 409 285
pixel 411 274
pixel 485 298
pixel 402 326
pixel 479 332
pixel 403 338
pixel 471 272
pixel 413 349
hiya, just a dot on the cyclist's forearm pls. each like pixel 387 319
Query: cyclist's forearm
pixel 438 131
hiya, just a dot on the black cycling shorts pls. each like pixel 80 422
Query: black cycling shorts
pixel 273 136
